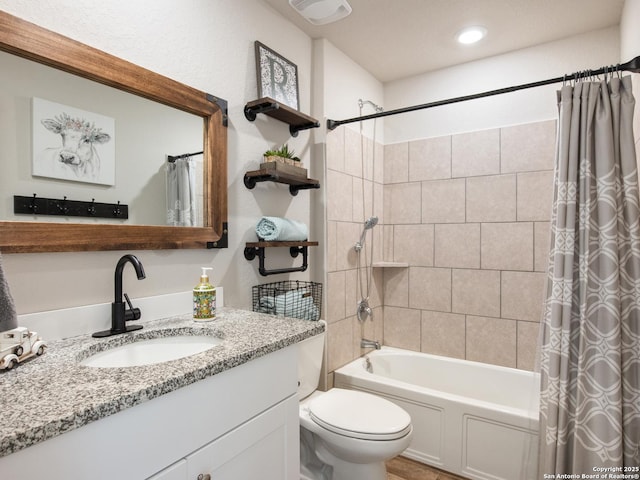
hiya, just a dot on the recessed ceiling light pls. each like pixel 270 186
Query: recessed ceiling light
pixel 471 35
pixel 321 12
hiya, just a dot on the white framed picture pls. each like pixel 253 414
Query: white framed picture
pixel 72 144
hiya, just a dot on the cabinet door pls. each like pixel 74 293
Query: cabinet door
pixel 265 447
pixel 177 471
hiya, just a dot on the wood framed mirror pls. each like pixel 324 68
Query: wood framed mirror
pixel 35 43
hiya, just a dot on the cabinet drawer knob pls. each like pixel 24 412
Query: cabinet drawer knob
pixel 204 476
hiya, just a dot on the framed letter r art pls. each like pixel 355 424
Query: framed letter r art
pixel 277 76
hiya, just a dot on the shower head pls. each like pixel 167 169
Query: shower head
pixel 369 223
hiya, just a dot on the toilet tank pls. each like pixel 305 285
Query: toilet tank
pixel 309 364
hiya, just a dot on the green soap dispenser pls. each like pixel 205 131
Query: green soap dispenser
pixel 204 299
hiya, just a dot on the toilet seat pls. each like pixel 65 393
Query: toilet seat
pixel 359 415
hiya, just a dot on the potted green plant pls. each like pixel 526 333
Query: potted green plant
pixel 282 155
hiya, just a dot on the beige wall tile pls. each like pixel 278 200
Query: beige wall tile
pixel 430 288
pixel 402 203
pixel 542 233
pixel 336 298
pixel 396 287
pixel 457 245
pixel 535 196
pixel 335 149
pixel 378 164
pixel 475 153
pixel 491 199
pixel 351 291
pixel 507 246
pixel 491 340
pixel 387 246
pixel 443 201
pixel 369 154
pixel 527 345
pixel 346 237
pixel 430 159
pixel 339 344
pixel 376 290
pixel 396 163
pixel 523 295
pixel 476 292
pixel 443 334
pixel 402 328
pixel 352 153
pixel 332 246
pixel 528 147
pixel 413 244
pixel 340 202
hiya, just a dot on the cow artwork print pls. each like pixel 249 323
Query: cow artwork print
pixel 75 150
pixel 77 156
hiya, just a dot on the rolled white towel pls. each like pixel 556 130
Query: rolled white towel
pixel 277 229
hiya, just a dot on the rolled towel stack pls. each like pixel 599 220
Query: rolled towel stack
pixel 277 229
pixel 294 303
pixel 297 304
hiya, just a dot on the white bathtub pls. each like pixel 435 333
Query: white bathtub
pixel 472 419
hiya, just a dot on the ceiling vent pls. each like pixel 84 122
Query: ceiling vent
pixel 321 12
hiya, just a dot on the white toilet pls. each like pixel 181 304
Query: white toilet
pixel 344 434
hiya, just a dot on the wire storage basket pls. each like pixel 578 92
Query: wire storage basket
pixel 289 298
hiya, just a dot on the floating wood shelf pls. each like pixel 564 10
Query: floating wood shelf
pixel 295 119
pixel 295 182
pixel 253 249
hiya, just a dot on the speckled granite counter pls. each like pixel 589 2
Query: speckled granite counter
pixel 52 394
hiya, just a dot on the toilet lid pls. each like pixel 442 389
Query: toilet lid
pixel 359 415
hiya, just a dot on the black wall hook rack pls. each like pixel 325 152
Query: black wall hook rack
pixel 68 208
pixel 254 249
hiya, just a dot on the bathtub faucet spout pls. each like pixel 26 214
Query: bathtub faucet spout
pixel 364 343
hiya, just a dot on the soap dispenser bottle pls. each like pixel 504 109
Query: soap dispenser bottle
pixel 204 299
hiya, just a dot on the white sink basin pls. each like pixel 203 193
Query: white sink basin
pixel 150 351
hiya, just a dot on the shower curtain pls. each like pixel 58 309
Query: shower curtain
pixel 181 193
pixel 590 333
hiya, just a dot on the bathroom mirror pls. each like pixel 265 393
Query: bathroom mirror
pixel 29 41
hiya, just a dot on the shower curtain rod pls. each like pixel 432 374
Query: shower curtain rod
pixel 631 66
pixel 173 158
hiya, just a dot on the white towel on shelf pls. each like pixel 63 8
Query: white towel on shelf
pixel 277 229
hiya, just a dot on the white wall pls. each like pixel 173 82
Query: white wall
pixel 550 60
pixel 208 44
pixel 629 49
pixel 343 83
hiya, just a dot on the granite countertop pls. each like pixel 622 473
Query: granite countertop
pixel 46 396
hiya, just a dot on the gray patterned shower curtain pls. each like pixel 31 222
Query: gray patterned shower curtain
pixel 590 337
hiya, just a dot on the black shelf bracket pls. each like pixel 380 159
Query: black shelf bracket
pixel 251 252
pixel 224 239
pixel 68 208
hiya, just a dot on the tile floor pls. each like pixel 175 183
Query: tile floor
pixel 401 468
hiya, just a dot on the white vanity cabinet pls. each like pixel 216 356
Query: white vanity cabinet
pixel 239 424
pixel 256 449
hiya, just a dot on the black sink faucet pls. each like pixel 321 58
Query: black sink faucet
pixel 119 313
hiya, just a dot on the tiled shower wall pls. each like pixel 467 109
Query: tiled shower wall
pixel 469 214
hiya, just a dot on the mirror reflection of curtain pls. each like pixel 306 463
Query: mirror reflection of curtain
pixel 590 352
pixel 181 193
